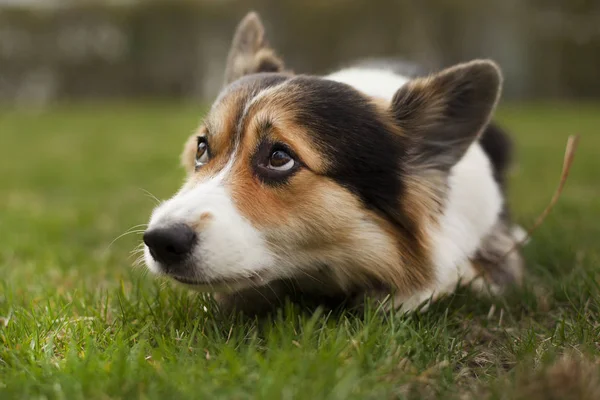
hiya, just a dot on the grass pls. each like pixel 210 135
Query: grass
pixel 79 322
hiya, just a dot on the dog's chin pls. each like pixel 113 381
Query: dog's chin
pixel 219 285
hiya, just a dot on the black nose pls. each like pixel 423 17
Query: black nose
pixel 170 245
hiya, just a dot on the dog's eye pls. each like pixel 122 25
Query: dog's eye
pixel 281 161
pixel 275 163
pixel 201 152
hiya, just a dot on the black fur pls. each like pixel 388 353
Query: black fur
pixel 366 156
pixel 269 65
pixel 498 147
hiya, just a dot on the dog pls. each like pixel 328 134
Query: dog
pixel 362 183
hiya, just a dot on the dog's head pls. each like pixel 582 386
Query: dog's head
pixel 292 176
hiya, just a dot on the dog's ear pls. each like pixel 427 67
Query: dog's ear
pixel 444 113
pixel 250 52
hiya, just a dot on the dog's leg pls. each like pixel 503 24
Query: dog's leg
pixel 498 261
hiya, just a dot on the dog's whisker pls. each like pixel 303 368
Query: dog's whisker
pixel 139 257
pixel 136 252
pixel 312 277
pixel 139 246
pixel 268 286
pixel 138 232
pixel 260 293
pixel 133 229
pixel 136 227
pixel 137 249
pixel 150 195
pixel 138 261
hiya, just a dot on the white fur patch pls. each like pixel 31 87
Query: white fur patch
pixel 473 206
pixel 229 246
pixel 379 83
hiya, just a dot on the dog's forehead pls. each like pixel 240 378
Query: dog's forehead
pixel 229 106
pixel 326 119
pixel 244 89
pixel 299 92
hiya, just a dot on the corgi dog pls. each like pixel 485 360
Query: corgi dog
pixel 361 183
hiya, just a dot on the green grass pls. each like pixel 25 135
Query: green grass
pixel 80 322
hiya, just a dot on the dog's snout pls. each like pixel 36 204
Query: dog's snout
pixel 170 245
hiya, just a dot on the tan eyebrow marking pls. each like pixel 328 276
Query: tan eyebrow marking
pixel 251 103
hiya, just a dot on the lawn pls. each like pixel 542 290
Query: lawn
pixel 78 321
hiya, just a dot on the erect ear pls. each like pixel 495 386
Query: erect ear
pixel 443 114
pixel 250 52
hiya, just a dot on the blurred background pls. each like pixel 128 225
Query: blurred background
pixel 56 50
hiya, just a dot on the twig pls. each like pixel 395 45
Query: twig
pixel 567 162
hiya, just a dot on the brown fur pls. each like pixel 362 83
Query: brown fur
pixel 440 109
